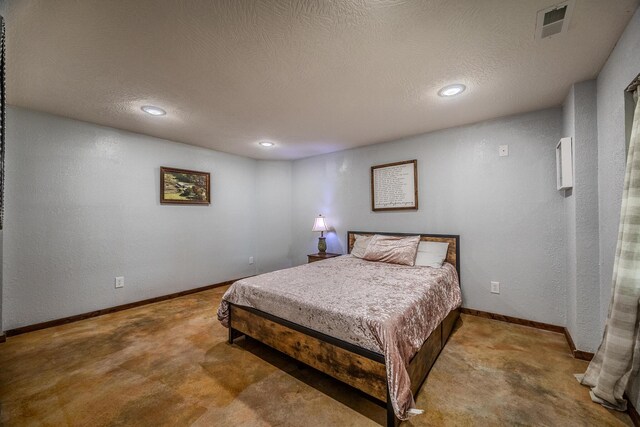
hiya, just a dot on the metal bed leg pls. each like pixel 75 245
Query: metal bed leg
pixel 392 420
pixel 233 334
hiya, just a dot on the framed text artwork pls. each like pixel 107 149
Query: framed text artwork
pixel 394 186
pixel 184 187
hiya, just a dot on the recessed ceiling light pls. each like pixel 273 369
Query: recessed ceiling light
pixel 266 143
pixel 452 90
pixel 154 111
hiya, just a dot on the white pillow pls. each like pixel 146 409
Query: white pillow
pixel 360 245
pixel 431 254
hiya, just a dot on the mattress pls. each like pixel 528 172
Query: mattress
pixel 386 308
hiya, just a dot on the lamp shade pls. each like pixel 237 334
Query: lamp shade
pixel 319 224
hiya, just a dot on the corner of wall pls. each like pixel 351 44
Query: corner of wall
pixel 581 217
pixel 568 130
pixel 620 69
pixel 273 215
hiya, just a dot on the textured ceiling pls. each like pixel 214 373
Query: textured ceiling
pixel 313 76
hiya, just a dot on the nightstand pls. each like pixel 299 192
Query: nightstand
pixel 320 257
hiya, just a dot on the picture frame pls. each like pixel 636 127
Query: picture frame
pixel 184 187
pixel 394 186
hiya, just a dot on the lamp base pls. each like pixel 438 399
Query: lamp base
pixel 322 244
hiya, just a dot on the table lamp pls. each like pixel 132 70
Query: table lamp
pixel 321 226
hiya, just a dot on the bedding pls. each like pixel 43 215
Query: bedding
pixel 392 249
pixel 360 245
pixel 387 308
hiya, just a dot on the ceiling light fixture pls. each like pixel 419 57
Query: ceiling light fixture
pixel 452 90
pixel 154 111
pixel 266 143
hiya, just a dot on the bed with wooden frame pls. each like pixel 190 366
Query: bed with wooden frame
pixel 358 367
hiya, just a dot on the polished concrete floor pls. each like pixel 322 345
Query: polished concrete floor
pixel 168 364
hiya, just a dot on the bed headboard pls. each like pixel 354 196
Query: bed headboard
pixel 453 252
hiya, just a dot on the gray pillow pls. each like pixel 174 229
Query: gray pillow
pixel 431 254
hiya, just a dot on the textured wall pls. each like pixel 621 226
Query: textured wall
pixel 589 326
pixel 621 68
pixel 273 215
pixel 3 6
pixel 506 209
pixel 83 207
pixel 568 129
pixel 581 210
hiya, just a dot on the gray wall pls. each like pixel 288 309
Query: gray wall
pixel 80 213
pixel 568 130
pixel 621 68
pixel 3 10
pixel 581 215
pixel 273 223
pixel 83 207
pixel 506 209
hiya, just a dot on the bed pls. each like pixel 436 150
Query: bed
pixel 376 326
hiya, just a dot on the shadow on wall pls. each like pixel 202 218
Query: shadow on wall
pixel 333 242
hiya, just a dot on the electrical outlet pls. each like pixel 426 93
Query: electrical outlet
pixel 250 260
pixel 495 287
pixel 120 282
pixel 503 150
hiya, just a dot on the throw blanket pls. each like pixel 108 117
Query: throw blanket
pixel 386 308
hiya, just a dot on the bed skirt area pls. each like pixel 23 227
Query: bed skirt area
pixel 358 367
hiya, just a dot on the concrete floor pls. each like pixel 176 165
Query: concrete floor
pixel 169 364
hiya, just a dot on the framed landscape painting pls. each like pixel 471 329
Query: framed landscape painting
pixel 184 187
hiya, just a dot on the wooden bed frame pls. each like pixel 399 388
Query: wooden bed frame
pixel 358 367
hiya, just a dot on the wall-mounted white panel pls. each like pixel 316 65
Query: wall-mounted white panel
pixel 564 164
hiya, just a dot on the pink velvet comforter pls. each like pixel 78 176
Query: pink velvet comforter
pixel 387 308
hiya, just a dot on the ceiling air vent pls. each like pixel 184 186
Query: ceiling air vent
pixel 554 20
